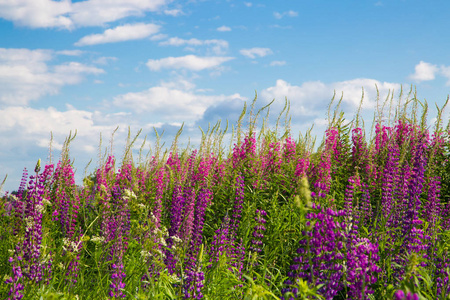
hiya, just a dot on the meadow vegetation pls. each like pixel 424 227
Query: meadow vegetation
pixel 363 215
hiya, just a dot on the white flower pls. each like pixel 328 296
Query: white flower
pixel 45 201
pixel 145 254
pixel 97 239
pixel 75 246
pixel 174 278
pixel 176 239
pixel 129 194
pixel 40 208
pixel 29 221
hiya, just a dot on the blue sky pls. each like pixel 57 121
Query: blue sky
pixel 94 65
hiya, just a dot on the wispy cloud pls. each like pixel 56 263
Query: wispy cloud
pixel 254 52
pixel 223 28
pixel 158 37
pixel 277 63
pixel 218 47
pixel 189 62
pixel 120 34
pixel 104 60
pixel 173 12
pixel 70 52
pixel 289 13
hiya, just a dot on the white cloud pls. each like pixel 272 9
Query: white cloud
pixel 173 12
pixel 218 47
pixel 26 136
pixel 120 34
pixel 277 63
pixel 70 52
pixel 424 71
pixel 25 75
pixel 100 12
pixel 104 60
pixel 311 98
pixel 46 120
pixel 167 103
pixel 223 28
pixel 253 52
pixel 37 13
pixel 445 71
pixel 248 4
pixel 66 14
pixel 289 13
pixel 190 62
pixel 158 37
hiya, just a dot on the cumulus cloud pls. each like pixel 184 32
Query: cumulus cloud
pixel 277 63
pixel 190 62
pixel 309 99
pixel 253 52
pixel 223 28
pixel 289 13
pixel 38 14
pixel 218 47
pixel 26 136
pixel 100 12
pixel 25 75
pixel 424 72
pixel 67 14
pixel 167 104
pixel 119 34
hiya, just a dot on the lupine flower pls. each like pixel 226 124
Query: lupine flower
pixel 400 295
pixel 195 279
pixel 258 231
pixel 321 253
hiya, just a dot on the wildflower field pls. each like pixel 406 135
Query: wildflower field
pixel 363 215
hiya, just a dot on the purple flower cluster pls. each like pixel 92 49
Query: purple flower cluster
pixel 258 231
pixel 361 268
pixel 333 256
pixel 322 171
pixel 400 295
pixel 28 262
pixel 117 285
pixel 176 217
pixel 116 231
pixel 17 286
pixel 321 253
pixel 195 276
